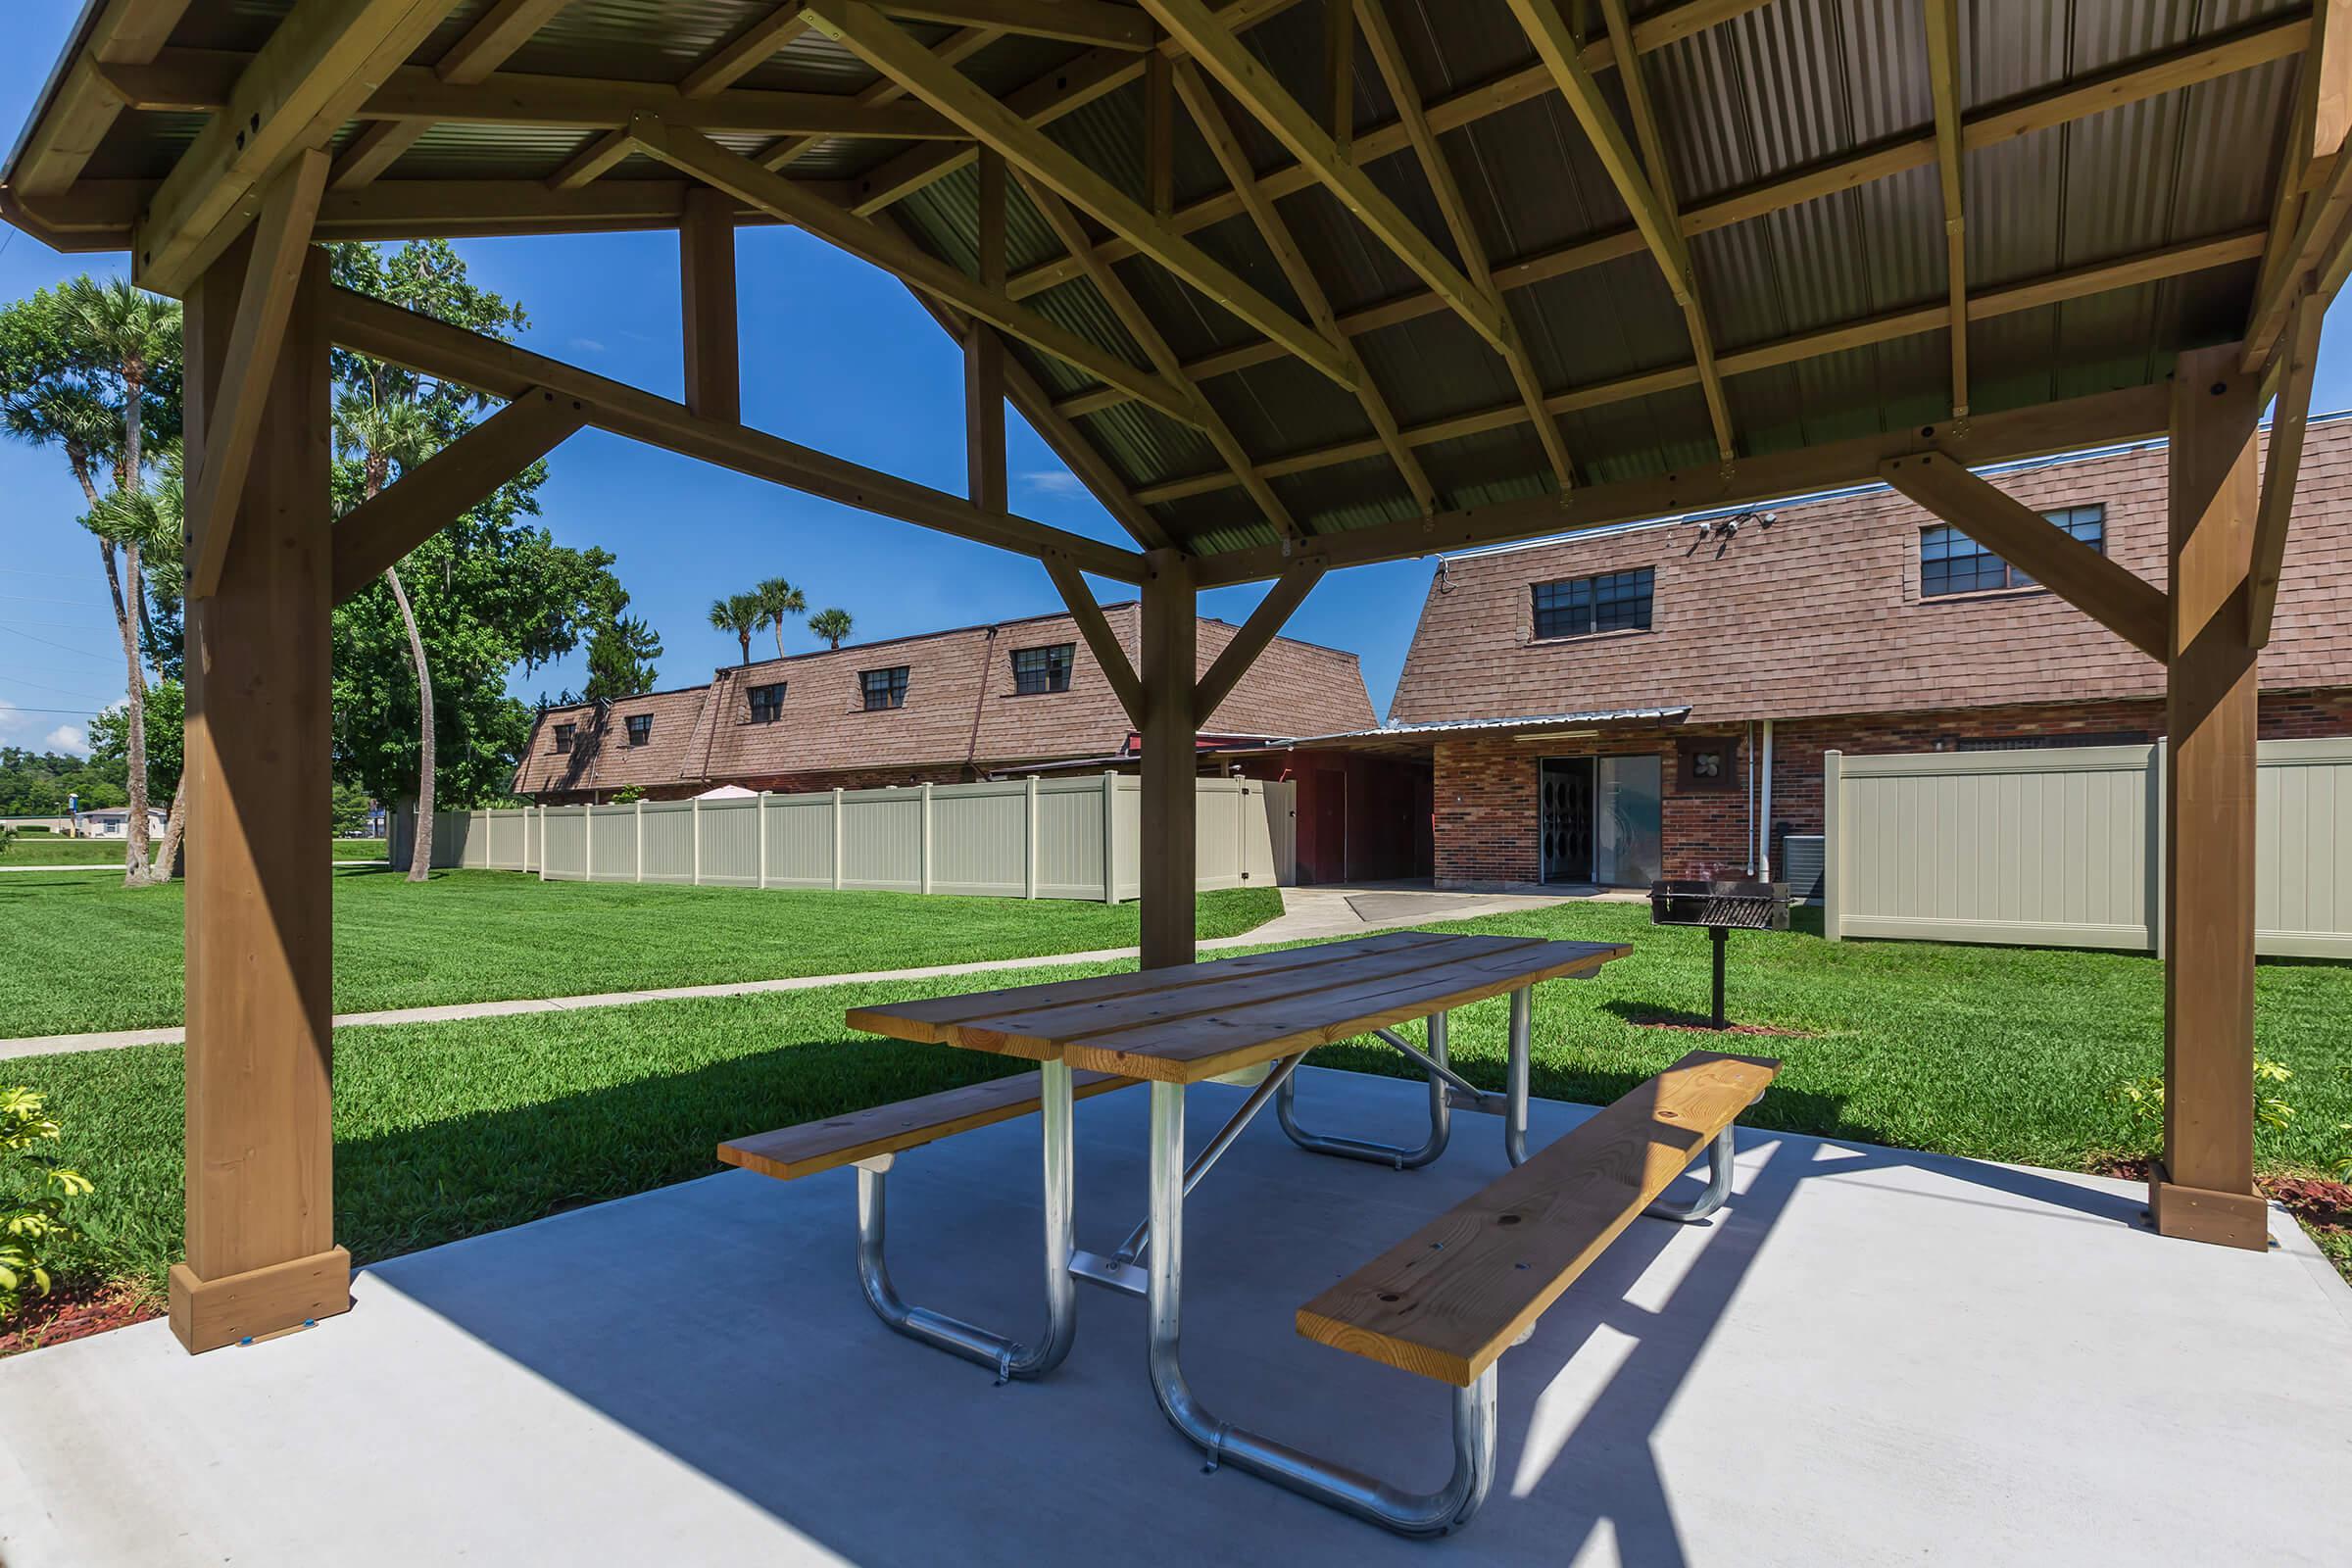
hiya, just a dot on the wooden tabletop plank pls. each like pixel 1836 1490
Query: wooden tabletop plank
pixel 814 1145
pixel 1058 1023
pixel 1454 1296
pixel 1206 1045
pixel 934 1019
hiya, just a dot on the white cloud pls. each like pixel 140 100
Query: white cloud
pixel 1054 482
pixel 22 727
pixel 66 738
pixel 587 345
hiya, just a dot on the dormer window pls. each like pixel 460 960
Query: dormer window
pixel 883 688
pixel 563 734
pixel 1042 669
pixel 767 703
pixel 1577 607
pixel 641 728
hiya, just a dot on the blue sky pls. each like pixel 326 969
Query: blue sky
pixel 836 355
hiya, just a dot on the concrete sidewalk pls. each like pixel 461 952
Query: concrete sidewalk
pixel 1309 914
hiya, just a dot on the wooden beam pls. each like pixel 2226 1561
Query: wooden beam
pixel 191 80
pixel 1155 347
pixel 504 369
pixel 2312 213
pixel 707 280
pixel 1645 191
pixel 1944 79
pixel 1339 75
pixel 504 29
pixel 1388 56
pixel 2077 283
pixel 2072 425
pixel 2204 1187
pixel 593 161
pixel 2110 594
pixel 1208 116
pixel 984 354
pixel 746 52
pixel 274 271
pixel 260 1141
pixel 1222 54
pixel 1260 628
pixel 1159 135
pixel 1094 22
pixel 888 50
pixel 1171 761
pixel 959 45
pixel 1100 640
pixel 1063 90
pixel 322 60
pixel 378 534
pixel 56 145
pixel 2274 514
pixel 738 175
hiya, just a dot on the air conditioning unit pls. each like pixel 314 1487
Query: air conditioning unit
pixel 1800 866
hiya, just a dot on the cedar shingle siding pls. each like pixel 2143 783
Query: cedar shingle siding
pixel 961 717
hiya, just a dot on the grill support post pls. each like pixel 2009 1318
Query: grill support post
pixel 1720 935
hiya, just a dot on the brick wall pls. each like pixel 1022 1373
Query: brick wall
pixel 1486 788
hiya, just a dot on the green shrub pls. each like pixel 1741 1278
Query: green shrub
pixel 33 1192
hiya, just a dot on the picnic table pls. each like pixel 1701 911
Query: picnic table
pixel 1254 1019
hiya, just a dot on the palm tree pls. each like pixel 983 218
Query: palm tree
pixel 777 600
pixel 742 615
pixel 385 432
pixel 152 523
pixel 124 333
pixel 830 624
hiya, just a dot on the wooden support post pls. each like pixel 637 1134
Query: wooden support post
pixel 1170 662
pixel 260 1249
pixel 707 274
pixel 2204 1188
pixel 984 355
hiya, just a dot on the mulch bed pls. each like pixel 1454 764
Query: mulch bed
pixel 75 1312
pixel 2324 1207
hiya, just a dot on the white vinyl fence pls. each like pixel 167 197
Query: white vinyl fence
pixel 2064 846
pixel 1033 838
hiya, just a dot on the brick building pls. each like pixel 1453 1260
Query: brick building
pixel 941 708
pixel 1655 700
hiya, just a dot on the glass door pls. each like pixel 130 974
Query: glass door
pixel 1567 818
pixel 1628 827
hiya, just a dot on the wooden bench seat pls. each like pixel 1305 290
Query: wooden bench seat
pixel 1449 1299
pixel 814 1145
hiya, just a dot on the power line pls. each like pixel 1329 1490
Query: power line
pixel 37 599
pixel 62 691
pixel 59 646
pixel 11 708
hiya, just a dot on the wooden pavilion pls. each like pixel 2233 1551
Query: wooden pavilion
pixel 1292 285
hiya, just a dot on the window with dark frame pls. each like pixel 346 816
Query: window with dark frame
pixel 641 728
pixel 1042 669
pixel 563 734
pixel 767 703
pixel 1578 607
pixel 1952 563
pixel 883 688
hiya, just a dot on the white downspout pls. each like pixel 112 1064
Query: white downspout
pixel 1764 840
pixel 1751 799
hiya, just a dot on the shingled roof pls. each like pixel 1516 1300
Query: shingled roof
pixel 961 710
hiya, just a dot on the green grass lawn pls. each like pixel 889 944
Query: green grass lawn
pixel 448 1130
pixel 47 848
pixel 87 954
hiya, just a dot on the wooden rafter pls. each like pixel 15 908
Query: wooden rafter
pixel 2071 425
pixel 746 52
pixel 1094 22
pixel 2289 419
pixel 890 50
pixel 58 146
pixel 319 64
pixel 1155 344
pixel 2113 595
pixel 281 242
pixel 960 44
pixel 2032 294
pixel 2311 224
pixel 1943 77
pixel 1220 52
pixel 1063 90
pixel 1262 625
pixel 376 534
pixel 1209 117
pixel 1646 191
pixel 506 371
pixel 1100 640
pixel 1388 56
pixel 504 29
pixel 2136 82
pixel 746 180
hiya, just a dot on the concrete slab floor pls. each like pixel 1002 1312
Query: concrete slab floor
pixel 1870 1355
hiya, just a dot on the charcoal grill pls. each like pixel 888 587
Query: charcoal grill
pixel 1722 908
